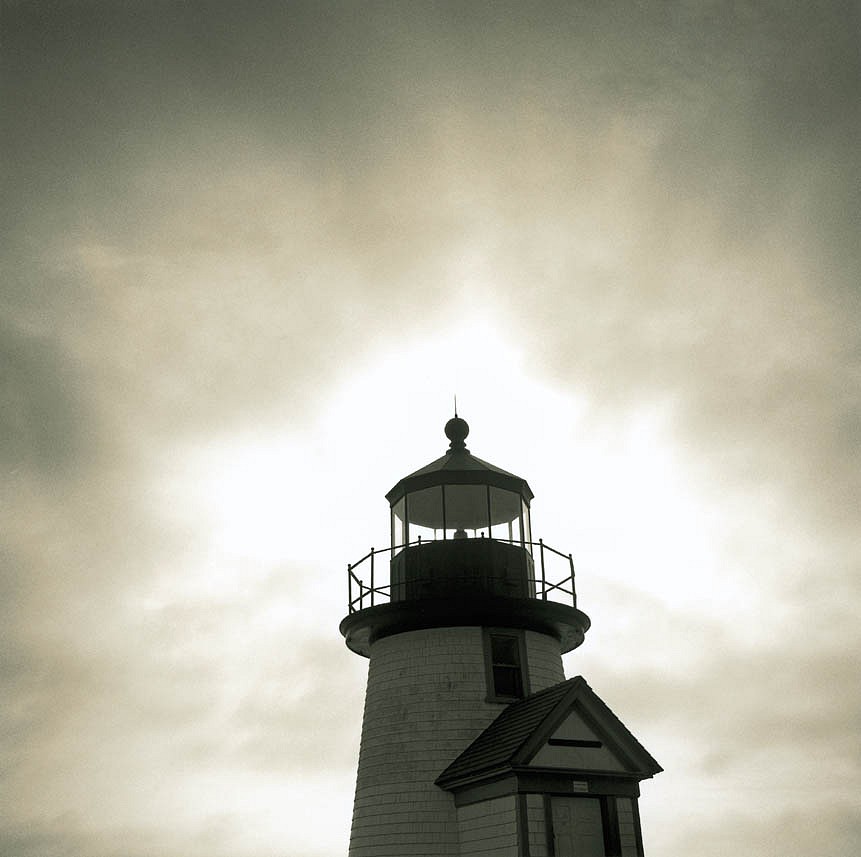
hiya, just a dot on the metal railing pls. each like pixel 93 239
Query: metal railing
pixel 361 595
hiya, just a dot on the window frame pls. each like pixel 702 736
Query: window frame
pixel 519 635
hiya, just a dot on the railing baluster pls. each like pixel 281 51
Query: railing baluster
pixel 362 592
pixel 543 575
pixel 573 587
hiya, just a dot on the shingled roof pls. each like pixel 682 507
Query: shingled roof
pixel 523 727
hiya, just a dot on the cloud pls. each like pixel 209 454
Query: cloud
pixel 44 412
pixel 831 830
pixel 217 221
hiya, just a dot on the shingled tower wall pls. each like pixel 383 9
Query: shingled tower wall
pixel 425 702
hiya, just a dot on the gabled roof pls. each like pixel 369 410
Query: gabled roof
pixel 524 728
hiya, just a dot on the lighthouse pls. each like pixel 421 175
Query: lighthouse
pixel 473 741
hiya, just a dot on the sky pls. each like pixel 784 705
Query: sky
pixel 251 251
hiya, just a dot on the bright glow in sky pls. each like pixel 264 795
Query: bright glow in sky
pixel 250 256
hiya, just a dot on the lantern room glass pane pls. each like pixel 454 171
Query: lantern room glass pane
pixel 398 524
pixel 465 511
pixel 424 514
pixel 527 525
pixel 505 514
pixel 514 534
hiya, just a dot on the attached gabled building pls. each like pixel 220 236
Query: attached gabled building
pixel 563 768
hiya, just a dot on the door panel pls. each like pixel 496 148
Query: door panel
pixel 577 830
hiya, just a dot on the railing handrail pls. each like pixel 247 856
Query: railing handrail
pixel 420 541
pixel 542 585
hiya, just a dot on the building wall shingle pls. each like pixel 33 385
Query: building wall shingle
pixel 537 822
pixel 627 826
pixel 489 829
pixel 543 661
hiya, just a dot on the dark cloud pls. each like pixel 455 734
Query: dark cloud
pixel 43 418
pixel 45 686
pixel 740 712
pixel 833 830
pixel 67 836
pixel 323 713
pixel 64 838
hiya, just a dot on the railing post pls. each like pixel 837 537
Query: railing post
pixel 372 576
pixel 573 587
pixel 543 575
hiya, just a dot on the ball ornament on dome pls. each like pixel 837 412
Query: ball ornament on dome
pixel 456 430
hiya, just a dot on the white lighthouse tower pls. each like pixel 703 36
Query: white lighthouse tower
pixel 473 742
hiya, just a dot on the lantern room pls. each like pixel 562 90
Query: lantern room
pixel 460 496
pixel 460 526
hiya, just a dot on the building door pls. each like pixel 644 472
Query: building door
pixel 577 830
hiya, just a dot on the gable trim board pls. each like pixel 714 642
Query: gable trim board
pixel 542 783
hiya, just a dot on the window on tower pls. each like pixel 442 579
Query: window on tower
pixel 505 656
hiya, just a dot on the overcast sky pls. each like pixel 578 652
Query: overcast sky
pixel 250 252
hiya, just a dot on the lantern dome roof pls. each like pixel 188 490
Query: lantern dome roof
pixel 459 467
